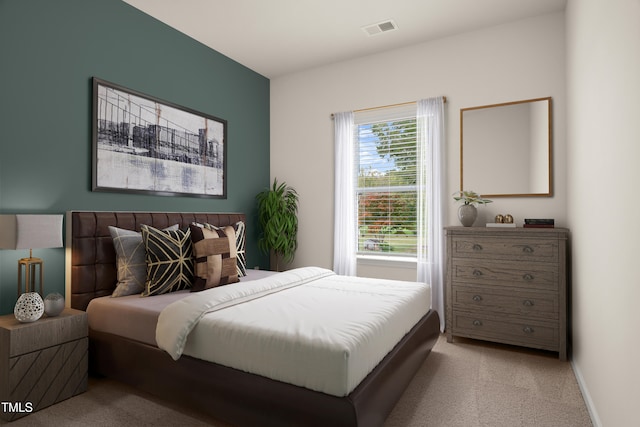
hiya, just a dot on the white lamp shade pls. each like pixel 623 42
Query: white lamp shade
pixel 30 231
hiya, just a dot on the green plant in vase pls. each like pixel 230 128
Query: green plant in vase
pixel 467 212
pixel 278 221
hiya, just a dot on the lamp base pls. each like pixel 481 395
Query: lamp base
pixel 31 267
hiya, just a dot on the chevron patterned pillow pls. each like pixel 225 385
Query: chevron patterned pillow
pixel 169 260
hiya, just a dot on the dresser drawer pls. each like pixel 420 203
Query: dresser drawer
pixel 50 375
pixel 529 250
pixel 506 273
pixel 542 305
pixel 517 331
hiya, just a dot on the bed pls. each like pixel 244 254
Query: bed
pixel 229 394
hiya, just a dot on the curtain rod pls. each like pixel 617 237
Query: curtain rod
pixel 444 99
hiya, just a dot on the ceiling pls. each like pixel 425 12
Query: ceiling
pixel 277 37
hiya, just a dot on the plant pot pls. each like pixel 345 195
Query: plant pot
pixel 467 215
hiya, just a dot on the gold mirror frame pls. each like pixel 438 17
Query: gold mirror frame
pixel 495 116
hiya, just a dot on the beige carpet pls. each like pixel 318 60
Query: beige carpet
pixel 466 383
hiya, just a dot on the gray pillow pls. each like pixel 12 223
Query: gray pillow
pixel 131 261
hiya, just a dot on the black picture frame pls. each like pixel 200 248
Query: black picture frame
pixel 142 144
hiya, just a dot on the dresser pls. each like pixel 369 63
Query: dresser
pixel 42 362
pixel 508 285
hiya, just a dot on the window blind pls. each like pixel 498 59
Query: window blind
pixel 385 171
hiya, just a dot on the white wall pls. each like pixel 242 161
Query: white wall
pixel 518 61
pixel 539 154
pixel 603 129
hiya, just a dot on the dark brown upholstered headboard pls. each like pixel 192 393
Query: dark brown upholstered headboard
pixel 91 258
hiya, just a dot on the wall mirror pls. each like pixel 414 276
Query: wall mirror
pixel 505 149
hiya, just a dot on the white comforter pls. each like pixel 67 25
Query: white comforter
pixel 308 326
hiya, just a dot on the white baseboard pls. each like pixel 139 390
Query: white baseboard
pixel 593 413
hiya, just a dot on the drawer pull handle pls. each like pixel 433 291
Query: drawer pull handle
pixel 527 330
pixel 527 303
pixel 477 323
pixel 477 247
pixel 527 249
pixel 477 272
pixel 477 298
pixel 528 277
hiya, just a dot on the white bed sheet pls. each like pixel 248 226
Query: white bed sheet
pixel 326 335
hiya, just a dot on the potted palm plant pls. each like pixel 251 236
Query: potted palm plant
pixel 278 222
pixel 467 212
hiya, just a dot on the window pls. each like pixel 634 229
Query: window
pixel 386 192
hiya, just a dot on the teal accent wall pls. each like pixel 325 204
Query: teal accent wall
pixel 49 51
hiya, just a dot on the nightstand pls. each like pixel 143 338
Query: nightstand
pixel 42 362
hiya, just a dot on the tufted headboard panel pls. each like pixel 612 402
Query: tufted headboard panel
pixel 90 256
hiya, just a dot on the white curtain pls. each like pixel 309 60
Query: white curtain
pixel 430 122
pixel 344 234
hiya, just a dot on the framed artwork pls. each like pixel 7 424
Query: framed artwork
pixel 142 144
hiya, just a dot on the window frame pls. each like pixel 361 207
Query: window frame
pixel 369 118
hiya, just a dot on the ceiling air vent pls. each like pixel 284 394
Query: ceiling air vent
pixel 380 27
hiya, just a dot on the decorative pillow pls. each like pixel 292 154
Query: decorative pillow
pixel 239 230
pixel 214 257
pixel 130 260
pixel 169 263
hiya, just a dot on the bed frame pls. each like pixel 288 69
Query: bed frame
pixel 233 396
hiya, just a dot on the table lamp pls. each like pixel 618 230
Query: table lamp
pixel 30 232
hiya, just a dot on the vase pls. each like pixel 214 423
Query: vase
pixel 467 215
pixel 29 307
pixel 53 304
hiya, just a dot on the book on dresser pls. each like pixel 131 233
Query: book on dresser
pixel 501 224
pixel 539 223
pixel 508 286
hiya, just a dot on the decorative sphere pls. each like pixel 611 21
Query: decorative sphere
pixel 29 307
pixel 53 304
pixel 508 219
